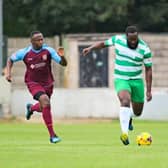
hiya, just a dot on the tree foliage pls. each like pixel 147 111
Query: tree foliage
pixel 77 16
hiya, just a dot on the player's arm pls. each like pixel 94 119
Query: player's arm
pixel 61 53
pixel 58 56
pixel 148 73
pixel 19 55
pixel 148 78
pixel 9 66
pixel 97 45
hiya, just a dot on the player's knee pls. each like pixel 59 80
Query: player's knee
pixel 138 113
pixel 44 100
pixel 125 102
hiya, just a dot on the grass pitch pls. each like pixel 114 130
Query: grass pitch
pixel 83 145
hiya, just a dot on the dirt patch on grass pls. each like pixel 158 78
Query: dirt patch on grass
pixel 38 119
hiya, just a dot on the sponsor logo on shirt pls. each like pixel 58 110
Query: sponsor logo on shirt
pixel 39 65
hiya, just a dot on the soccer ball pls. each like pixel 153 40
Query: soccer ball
pixel 144 138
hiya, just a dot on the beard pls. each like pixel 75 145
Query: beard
pixel 37 47
pixel 132 46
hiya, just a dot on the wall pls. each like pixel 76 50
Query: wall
pixel 5 96
pixel 90 103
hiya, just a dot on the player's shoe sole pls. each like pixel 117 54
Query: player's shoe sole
pixel 130 127
pixel 28 111
pixel 124 139
pixel 55 139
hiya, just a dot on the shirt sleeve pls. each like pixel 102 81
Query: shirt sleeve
pixel 147 57
pixel 18 56
pixel 54 55
pixel 110 41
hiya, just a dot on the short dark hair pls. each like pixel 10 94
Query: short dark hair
pixel 131 29
pixel 34 32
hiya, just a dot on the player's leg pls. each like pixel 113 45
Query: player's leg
pixel 137 109
pixel 130 126
pixel 124 114
pixel 47 115
pixel 34 88
pixel 43 94
pixel 137 98
pixel 124 94
pixel 36 107
pixel 30 108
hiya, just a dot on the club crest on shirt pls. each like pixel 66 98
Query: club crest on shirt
pixel 30 59
pixel 44 57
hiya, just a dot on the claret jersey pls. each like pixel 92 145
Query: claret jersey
pixel 38 63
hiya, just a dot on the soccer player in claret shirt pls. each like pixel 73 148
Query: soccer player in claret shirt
pixel 38 77
pixel 131 54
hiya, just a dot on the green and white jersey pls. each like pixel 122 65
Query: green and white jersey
pixel 129 62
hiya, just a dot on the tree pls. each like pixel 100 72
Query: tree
pixel 149 15
pixel 74 16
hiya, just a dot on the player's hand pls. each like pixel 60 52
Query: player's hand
pixel 148 96
pixel 9 78
pixel 86 51
pixel 60 51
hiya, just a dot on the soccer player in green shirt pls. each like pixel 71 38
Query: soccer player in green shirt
pixel 131 54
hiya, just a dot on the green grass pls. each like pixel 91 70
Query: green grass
pixel 85 145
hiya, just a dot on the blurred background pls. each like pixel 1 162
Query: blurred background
pixel 74 16
pixel 85 88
